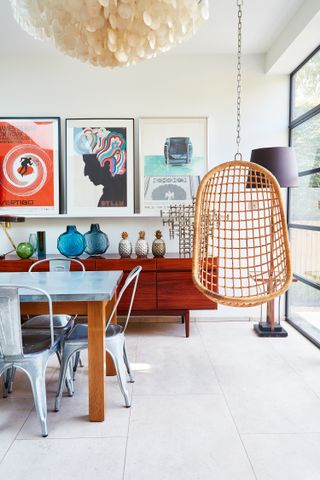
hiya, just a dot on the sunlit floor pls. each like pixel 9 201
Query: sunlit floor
pixel 223 404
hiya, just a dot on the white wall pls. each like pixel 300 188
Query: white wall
pixel 165 86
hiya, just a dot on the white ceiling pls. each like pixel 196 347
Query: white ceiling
pixel 263 22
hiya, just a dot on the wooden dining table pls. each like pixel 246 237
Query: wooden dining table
pixel 84 293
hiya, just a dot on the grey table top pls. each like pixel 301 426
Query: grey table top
pixel 65 286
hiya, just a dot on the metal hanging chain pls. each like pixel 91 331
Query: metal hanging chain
pixel 238 155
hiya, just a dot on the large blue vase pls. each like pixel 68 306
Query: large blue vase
pixel 97 242
pixel 71 243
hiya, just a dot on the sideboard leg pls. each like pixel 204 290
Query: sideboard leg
pixel 187 322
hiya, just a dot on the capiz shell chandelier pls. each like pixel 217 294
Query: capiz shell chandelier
pixel 111 33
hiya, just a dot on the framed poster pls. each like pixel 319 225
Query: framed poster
pixel 99 176
pixel 29 165
pixel 173 158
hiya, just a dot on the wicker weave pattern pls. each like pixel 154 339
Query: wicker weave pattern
pixel 241 253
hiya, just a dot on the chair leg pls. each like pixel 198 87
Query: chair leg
pixel 69 376
pixel 38 383
pixel 116 351
pixel 5 379
pixel 12 373
pixel 64 370
pixel 127 364
pixel 77 361
pixel 8 377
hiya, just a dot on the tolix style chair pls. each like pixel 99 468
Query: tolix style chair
pixel 26 350
pixel 77 340
pixel 62 323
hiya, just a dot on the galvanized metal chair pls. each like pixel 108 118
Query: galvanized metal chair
pixel 77 340
pixel 62 321
pixel 27 351
pixel 40 323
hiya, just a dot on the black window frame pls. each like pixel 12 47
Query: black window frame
pixel 302 326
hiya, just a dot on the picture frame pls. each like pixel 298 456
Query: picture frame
pixel 29 165
pixel 173 157
pixel 100 166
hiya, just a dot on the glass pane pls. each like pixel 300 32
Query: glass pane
pixel 305 253
pixel 305 201
pixel 306 87
pixel 306 142
pixel 304 308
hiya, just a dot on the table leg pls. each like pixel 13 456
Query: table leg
pixel 187 322
pixel 96 359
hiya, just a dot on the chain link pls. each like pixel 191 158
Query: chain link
pixel 238 155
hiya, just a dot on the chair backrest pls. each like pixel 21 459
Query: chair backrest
pixel 132 277
pixel 10 319
pixel 58 264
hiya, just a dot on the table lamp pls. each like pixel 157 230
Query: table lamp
pixel 5 222
pixel 281 162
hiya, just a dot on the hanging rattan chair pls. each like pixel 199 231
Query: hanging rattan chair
pixel 241 253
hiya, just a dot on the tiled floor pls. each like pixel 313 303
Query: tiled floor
pixel 223 404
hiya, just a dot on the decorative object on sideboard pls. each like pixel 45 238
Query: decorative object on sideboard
pixel 125 246
pixel 142 247
pixel 71 243
pixel 97 242
pixel 34 242
pixel 24 250
pixel 158 245
pixel 5 223
pixel 41 244
pixel 111 33
pixel 180 220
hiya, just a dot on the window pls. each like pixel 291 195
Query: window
pixel 303 299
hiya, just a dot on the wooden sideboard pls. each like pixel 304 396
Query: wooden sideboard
pixel 165 285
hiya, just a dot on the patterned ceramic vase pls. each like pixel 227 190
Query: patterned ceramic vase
pixel 142 247
pixel 158 245
pixel 71 243
pixel 97 242
pixel 125 247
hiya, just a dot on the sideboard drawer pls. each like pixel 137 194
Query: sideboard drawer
pixel 146 293
pixel 174 264
pixel 177 291
pixel 126 264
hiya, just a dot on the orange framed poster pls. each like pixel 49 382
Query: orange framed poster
pixel 29 165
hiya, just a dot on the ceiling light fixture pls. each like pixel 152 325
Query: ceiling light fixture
pixel 111 33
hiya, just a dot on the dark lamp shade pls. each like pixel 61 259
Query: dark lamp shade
pixel 280 161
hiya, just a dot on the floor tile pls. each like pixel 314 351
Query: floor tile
pixel 13 414
pixel 284 457
pixel 184 368
pixel 62 459
pixel 189 437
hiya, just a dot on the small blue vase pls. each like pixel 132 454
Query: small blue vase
pixel 97 242
pixel 71 243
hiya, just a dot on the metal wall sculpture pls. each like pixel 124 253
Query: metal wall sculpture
pixel 180 220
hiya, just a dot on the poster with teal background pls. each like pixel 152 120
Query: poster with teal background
pixel 173 159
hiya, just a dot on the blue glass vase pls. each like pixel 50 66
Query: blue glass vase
pixel 97 242
pixel 71 243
